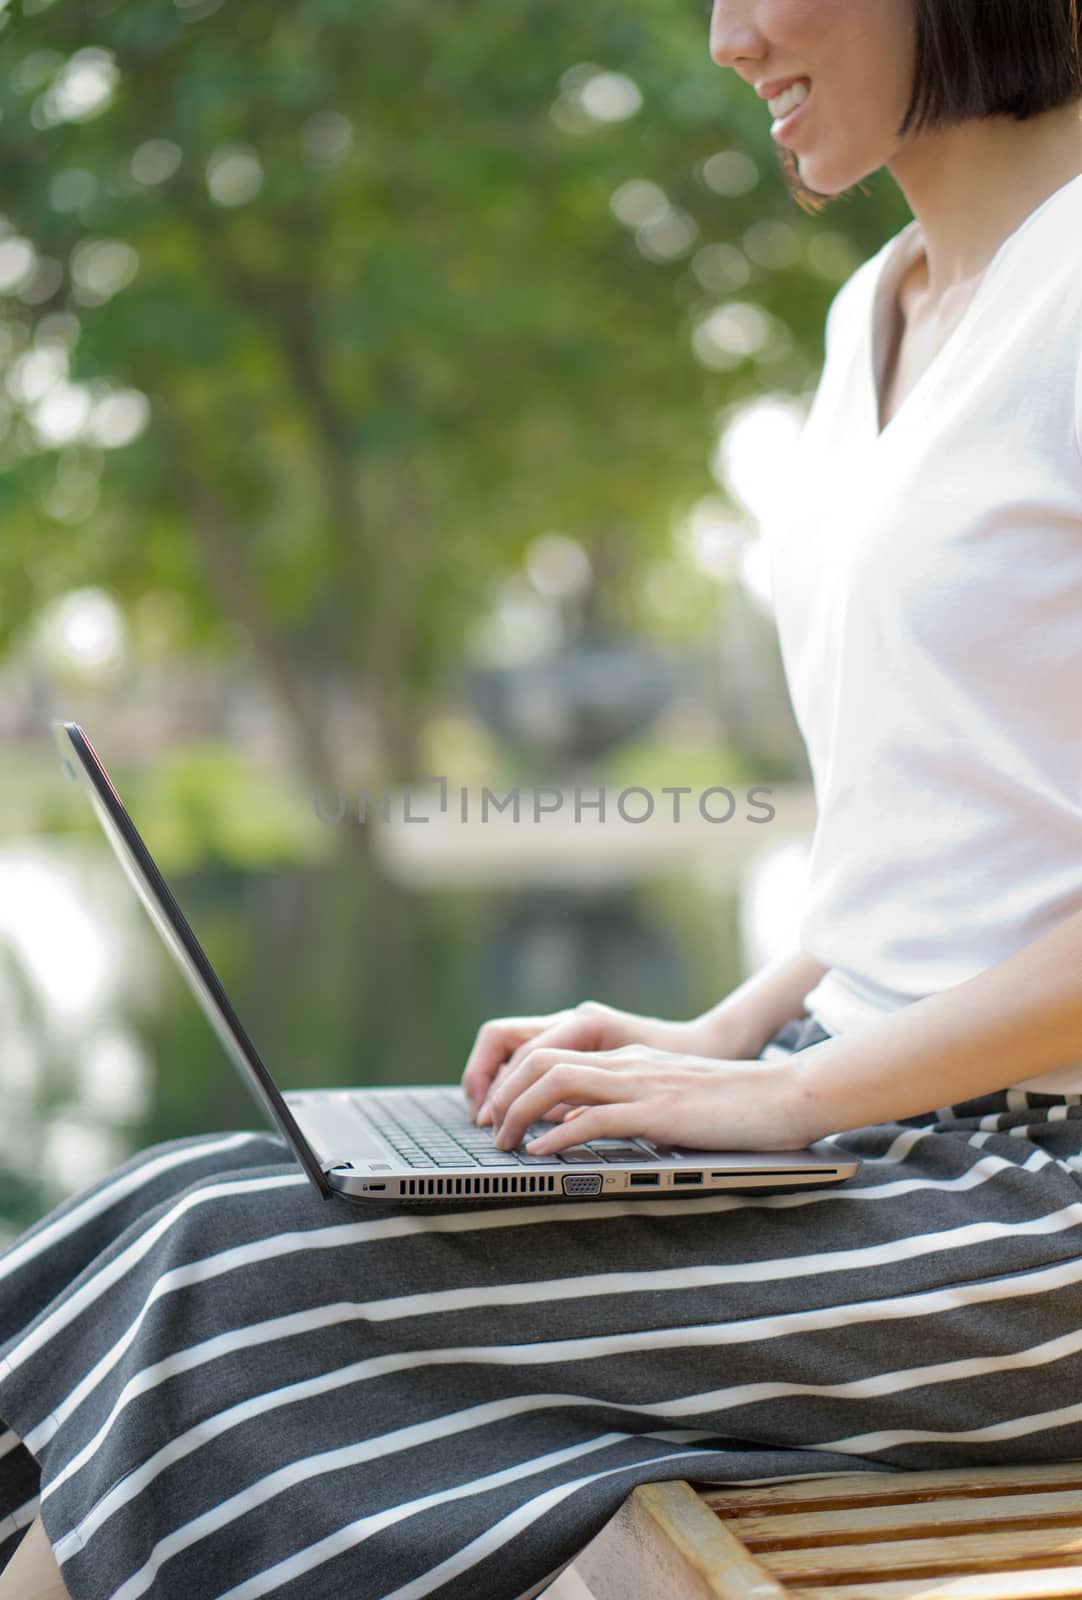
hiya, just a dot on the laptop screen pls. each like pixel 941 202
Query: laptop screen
pixel 81 763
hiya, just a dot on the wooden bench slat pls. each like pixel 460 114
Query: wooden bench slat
pixel 664 1542
pixel 855 1487
pixel 1041 1583
pixel 568 1586
pixel 918 1518
pixel 994 1533
pixel 978 1552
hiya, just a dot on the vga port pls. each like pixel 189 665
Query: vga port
pixel 582 1183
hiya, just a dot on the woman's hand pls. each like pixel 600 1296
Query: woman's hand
pixel 505 1041
pixel 655 1094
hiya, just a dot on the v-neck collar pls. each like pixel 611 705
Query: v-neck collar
pixel 898 257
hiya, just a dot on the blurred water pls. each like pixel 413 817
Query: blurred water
pixel 341 977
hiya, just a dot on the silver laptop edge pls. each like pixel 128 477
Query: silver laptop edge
pixel 334 1133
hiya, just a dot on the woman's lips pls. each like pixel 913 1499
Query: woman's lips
pixel 782 127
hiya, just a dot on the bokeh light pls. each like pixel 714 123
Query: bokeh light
pixel 17 262
pixel 234 175
pixel 730 333
pixel 59 416
pixel 117 419
pixel 638 203
pixel 730 173
pixel 670 237
pixel 591 96
pixel 720 268
pixel 100 268
pixel 326 138
pixel 83 631
pixel 611 97
pixel 155 160
pixel 558 565
pixel 82 88
pixel 753 451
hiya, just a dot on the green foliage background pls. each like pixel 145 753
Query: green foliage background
pixel 362 261
pixel 399 358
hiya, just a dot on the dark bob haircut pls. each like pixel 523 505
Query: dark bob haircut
pixel 981 58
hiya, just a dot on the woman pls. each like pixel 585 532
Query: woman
pixel 216 1385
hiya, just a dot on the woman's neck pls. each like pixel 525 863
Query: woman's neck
pixel 970 186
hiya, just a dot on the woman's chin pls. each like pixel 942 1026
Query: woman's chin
pixel 822 176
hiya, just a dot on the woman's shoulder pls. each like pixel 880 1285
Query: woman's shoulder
pixel 853 299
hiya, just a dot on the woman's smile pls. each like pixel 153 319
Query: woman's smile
pixel 789 49
pixel 787 108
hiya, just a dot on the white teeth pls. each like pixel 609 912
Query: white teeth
pixel 789 99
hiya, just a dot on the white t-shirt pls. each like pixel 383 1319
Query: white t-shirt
pixel 927 583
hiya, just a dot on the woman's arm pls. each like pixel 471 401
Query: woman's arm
pixel 1016 1020
pixel 762 1004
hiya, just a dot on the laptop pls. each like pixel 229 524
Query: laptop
pixel 419 1143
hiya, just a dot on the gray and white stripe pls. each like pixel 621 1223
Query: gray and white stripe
pixel 216 1386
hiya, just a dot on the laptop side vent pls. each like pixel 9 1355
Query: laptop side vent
pixel 490 1183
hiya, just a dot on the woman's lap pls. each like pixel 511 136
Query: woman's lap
pixel 217 1372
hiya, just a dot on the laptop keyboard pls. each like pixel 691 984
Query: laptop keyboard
pixel 433 1133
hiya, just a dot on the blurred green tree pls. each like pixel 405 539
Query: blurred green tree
pixel 313 314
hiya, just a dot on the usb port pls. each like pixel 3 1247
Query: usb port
pixel 643 1178
pixel 687 1177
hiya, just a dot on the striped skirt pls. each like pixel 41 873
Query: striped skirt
pixel 214 1384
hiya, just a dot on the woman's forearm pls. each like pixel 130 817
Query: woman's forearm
pixel 764 1002
pixel 1018 1019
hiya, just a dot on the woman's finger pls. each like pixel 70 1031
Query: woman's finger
pixel 536 1061
pixel 570 1032
pixel 496 1040
pixel 551 1077
pixel 484 1115
pixel 617 1120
